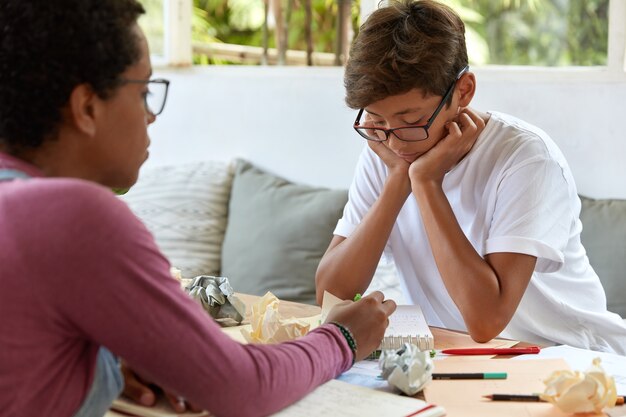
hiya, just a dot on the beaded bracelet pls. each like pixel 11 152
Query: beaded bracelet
pixel 349 338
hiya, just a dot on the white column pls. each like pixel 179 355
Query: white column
pixel 178 32
pixel 617 36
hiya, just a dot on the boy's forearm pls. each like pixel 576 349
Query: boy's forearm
pixel 343 275
pixel 472 283
pixel 348 267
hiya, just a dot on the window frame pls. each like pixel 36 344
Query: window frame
pixel 614 71
pixel 178 50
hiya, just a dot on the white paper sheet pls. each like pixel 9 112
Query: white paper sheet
pixel 580 360
pixel 366 373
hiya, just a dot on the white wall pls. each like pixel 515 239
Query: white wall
pixel 293 121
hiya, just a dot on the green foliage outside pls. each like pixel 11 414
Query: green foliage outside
pixel 535 32
pixel 501 32
pixel 241 22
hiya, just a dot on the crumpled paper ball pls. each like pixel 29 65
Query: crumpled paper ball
pixel 217 298
pixel 581 392
pixel 268 325
pixel 407 369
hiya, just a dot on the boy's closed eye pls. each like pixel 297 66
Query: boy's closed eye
pixel 382 123
pixel 418 122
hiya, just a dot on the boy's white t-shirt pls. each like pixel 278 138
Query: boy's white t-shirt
pixel 513 192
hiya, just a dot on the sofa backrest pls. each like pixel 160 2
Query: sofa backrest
pixel 267 233
pixel 604 238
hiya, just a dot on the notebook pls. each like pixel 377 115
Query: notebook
pixel 338 398
pixel 334 398
pixel 408 325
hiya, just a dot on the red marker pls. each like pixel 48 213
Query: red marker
pixel 492 351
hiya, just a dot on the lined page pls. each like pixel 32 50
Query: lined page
pixel 337 398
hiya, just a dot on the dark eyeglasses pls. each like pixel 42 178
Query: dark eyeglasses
pixel 155 99
pixel 405 133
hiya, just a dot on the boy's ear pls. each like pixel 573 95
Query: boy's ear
pixel 82 107
pixel 466 86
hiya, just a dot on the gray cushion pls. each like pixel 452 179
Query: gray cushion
pixel 604 238
pixel 276 234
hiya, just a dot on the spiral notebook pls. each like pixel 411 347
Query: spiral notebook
pixel 408 325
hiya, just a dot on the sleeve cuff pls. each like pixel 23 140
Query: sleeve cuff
pixel 344 228
pixel 548 258
pixel 347 354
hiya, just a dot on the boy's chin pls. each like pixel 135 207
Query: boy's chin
pixel 410 158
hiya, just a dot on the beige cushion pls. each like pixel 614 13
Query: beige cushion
pixel 185 207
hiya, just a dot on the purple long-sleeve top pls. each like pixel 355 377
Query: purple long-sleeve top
pixel 78 271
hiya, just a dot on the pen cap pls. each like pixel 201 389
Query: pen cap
pixel 495 375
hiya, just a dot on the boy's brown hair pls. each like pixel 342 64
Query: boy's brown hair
pixel 406 45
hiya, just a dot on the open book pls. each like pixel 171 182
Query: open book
pixel 334 398
pixel 408 325
pixel 338 398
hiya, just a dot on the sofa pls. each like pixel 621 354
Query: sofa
pixel 264 232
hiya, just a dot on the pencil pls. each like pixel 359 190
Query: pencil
pixel 480 375
pixel 530 398
pixel 514 397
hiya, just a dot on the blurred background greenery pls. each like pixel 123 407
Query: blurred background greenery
pixel 500 32
pixel 536 32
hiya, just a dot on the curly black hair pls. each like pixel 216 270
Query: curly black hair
pixel 49 47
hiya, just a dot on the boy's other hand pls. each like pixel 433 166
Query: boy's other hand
pixel 393 162
pixel 397 167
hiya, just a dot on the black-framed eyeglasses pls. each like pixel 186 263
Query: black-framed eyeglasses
pixel 155 99
pixel 405 133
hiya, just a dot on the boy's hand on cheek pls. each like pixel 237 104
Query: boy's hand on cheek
pixel 398 168
pixel 441 158
pixel 394 163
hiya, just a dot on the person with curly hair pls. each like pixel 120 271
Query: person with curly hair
pixel 478 210
pixel 82 281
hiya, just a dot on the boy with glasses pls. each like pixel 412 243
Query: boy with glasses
pixel 479 211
